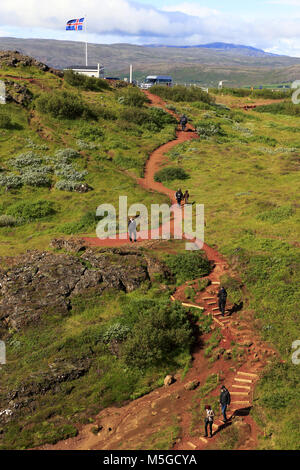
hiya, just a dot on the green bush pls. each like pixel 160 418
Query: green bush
pixel 88 221
pixel 63 105
pixel 85 83
pixel 132 97
pixel 170 174
pixel 66 155
pixel 287 107
pixel 11 181
pixel 31 210
pixel 160 332
pixel 209 129
pixel 153 119
pixel 5 122
pixel 116 332
pixel 90 132
pixel 189 265
pixel 180 93
pixel 8 221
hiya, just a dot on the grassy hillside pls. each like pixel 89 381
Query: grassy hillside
pixel 245 169
pixel 108 138
pixel 201 65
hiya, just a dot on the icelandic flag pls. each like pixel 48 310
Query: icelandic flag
pixel 75 25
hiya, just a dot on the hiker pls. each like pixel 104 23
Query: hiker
pixel 132 229
pixel 186 197
pixel 209 419
pixel 183 122
pixel 179 197
pixel 224 401
pixel 222 295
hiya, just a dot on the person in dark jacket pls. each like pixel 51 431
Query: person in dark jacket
pixel 183 122
pixel 179 197
pixel 132 229
pixel 224 401
pixel 222 295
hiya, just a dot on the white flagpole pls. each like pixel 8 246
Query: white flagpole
pixel 86 42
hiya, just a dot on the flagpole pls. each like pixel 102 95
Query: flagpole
pixel 86 42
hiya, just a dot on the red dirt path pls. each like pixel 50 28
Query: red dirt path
pixel 133 425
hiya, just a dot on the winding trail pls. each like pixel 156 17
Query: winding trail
pixel 133 425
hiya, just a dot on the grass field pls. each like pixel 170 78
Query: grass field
pixel 245 170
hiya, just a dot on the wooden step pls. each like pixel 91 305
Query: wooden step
pixel 244 387
pixel 193 446
pixel 239 393
pixel 216 308
pixel 203 439
pixel 191 305
pixel 243 380
pixel 255 376
pixel 211 303
pixel 216 283
pixel 208 298
pixel 218 322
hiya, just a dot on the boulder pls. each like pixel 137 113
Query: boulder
pixel 192 385
pixel 169 379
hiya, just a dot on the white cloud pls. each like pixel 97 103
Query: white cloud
pixel 129 21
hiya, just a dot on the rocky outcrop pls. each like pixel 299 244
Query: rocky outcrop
pixel 41 283
pixel 25 394
pixel 16 59
pixel 17 93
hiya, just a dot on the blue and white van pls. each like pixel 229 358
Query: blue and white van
pixel 156 80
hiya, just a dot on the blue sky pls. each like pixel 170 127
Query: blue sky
pixel 272 25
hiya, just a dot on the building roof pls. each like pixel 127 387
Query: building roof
pixel 84 67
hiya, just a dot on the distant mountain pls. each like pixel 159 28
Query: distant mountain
pixel 205 64
pixel 236 48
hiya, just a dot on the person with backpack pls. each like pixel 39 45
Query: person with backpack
pixel 222 295
pixel 209 419
pixel 179 197
pixel 132 229
pixel 225 400
pixel 183 122
pixel 186 197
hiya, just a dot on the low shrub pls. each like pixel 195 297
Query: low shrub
pixel 188 265
pixel 84 82
pixel 170 174
pixel 36 178
pixel 209 129
pixel 8 221
pixel 287 107
pixel 180 93
pixel 116 332
pixel 64 105
pixel 131 96
pixel 66 155
pixel 5 122
pixel 11 181
pixel 88 221
pixel 90 132
pixel 26 159
pixel 30 211
pixel 163 330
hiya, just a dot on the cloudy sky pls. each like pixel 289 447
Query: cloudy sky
pixel 273 25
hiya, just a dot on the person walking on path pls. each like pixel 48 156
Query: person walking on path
pixel 179 197
pixel 224 401
pixel 222 295
pixel 186 197
pixel 183 122
pixel 209 419
pixel 132 229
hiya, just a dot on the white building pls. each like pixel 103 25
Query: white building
pixel 89 70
